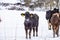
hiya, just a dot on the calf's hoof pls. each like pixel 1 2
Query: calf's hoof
pixel 29 37
pixel 26 37
pixel 33 35
pixel 57 35
pixel 53 36
pixel 0 20
pixel 36 35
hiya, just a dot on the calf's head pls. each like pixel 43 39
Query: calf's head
pixel 27 14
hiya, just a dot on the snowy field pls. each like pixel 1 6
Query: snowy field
pixel 12 27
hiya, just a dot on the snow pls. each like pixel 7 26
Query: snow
pixel 9 1
pixel 12 26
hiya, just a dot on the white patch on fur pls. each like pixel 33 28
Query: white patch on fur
pixel 27 19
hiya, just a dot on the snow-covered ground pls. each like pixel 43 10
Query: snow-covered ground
pixel 9 1
pixel 12 27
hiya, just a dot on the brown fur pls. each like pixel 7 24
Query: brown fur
pixel 59 18
pixel 55 24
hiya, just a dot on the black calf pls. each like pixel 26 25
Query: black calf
pixel 35 19
pixel 31 22
pixel 28 24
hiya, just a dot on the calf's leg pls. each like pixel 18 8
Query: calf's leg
pixel 57 31
pixel 49 26
pixel 54 31
pixel 26 30
pixel 34 31
pixel 30 33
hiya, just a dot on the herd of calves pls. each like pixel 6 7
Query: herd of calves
pixel 31 22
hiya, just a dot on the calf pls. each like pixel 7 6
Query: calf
pixel 55 24
pixel 28 24
pixel 48 17
pixel 35 20
pixel 49 14
pixel 31 22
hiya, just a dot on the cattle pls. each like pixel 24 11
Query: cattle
pixel 31 23
pixel 49 14
pixel 55 24
pixel 55 10
pixel 28 24
pixel 53 20
pixel 35 19
pixel 48 17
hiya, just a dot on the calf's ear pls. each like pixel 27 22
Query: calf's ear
pixel 22 14
pixel 31 15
